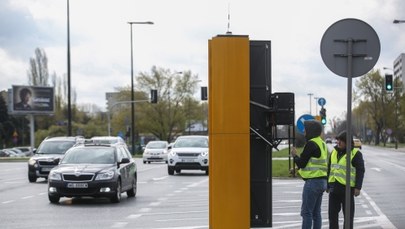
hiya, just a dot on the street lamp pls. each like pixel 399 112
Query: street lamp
pixel 132 85
pixel 398 21
pixel 310 106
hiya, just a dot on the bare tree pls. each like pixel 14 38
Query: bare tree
pixel 38 74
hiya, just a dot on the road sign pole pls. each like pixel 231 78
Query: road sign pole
pixel 349 32
pixel 348 132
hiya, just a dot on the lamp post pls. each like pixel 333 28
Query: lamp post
pixel 316 105
pixel 69 108
pixel 310 106
pixel 132 85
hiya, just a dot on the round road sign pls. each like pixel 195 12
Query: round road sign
pixel 350 38
pixel 301 120
pixel 321 102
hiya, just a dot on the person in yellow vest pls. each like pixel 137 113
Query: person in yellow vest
pixel 312 164
pixel 337 180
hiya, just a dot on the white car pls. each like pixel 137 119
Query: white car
pixel 155 151
pixel 188 153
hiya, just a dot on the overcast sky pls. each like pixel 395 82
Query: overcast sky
pixel 100 41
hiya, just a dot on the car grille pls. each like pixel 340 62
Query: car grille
pixel 188 154
pixel 79 177
pixel 78 191
pixel 47 162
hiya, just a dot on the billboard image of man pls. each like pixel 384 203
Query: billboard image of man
pixel 25 97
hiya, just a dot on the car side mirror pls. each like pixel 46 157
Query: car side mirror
pixel 125 160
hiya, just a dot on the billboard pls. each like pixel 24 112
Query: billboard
pixel 32 100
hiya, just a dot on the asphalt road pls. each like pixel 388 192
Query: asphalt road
pixel 181 201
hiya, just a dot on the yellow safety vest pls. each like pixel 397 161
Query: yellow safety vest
pixel 338 168
pixel 316 167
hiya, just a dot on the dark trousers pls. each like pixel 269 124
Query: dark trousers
pixel 336 203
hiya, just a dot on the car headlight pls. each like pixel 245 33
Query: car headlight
pixel 32 161
pixel 54 176
pixel 172 153
pixel 105 175
pixel 204 154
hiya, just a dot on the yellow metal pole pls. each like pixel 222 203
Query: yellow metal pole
pixel 229 120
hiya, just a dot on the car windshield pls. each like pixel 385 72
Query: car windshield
pixel 89 156
pixel 191 142
pixel 156 145
pixel 55 147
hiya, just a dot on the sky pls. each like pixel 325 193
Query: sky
pixel 178 40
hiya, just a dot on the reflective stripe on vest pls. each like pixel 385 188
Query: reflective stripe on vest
pixel 316 167
pixel 338 169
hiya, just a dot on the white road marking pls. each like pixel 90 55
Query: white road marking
pixel 159 178
pixel 119 224
pixel 155 204
pixel 376 169
pixel 382 219
pixel 8 201
pixel 145 210
pixel 134 216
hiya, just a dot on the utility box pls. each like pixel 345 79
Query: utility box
pixel 229 169
pixel 260 150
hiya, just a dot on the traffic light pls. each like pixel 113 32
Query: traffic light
pixel 153 96
pixel 204 93
pixel 322 113
pixel 389 83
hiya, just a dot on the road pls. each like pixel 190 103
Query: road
pixel 181 201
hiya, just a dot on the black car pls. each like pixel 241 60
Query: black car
pixel 48 154
pixel 94 170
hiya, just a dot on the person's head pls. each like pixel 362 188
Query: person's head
pixel 25 95
pixel 341 140
pixel 312 128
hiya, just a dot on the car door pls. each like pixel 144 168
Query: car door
pixel 124 169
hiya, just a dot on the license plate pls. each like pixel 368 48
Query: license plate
pixel 77 185
pixel 46 169
pixel 187 160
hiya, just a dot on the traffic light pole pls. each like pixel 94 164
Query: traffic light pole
pixel 115 104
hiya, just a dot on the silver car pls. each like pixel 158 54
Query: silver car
pixel 188 153
pixel 155 151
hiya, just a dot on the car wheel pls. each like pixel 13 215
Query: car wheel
pixel 132 191
pixel 117 197
pixel 170 170
pixel 178 170
pixel 54 199
pixel 148 162
pixel 144 162
pixel 32 178
pixel 207 172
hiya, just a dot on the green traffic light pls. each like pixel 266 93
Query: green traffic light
pixel 389 87
pixel 323 120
